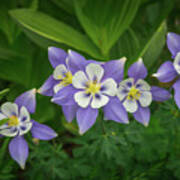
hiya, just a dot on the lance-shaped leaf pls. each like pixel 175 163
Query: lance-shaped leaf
pixel 52 29
pixel 104 20
pixel 146 36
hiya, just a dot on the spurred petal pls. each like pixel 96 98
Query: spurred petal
pixel 99 100
pixel 65 96
pixel 115 69
pixel 79 80
pixel 70 112
pixel 42 132
pixel 82 98
pixel 9 109
pixel 109 87
pixel 173 43
pixel 145 99
pixel 27 99
pixel 56 56
pixel 19 151
pixel 76 61
pixel 24 128
pixel 176 87
pixel 59 71
pixel 9 132
pixel 86 117
pixel 142 85
pixel 115 111
pixel 137 70
pixel 24 115
pixel 130 105
pixel 142 115
pixel 2 116
pixel 94 72
pixel 160 94
pixel 166 72
pixel 58 87
pixel 47 88
pixel 127 84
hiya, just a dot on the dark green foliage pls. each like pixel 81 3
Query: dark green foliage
pixel 100 30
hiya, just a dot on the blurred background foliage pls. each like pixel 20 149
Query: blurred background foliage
pixel 102 30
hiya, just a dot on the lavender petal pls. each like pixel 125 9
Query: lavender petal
pixel 27 99
pixel 56 56
pixel 42 132
pixel 160 94
pixel 86 117
pixel 19 151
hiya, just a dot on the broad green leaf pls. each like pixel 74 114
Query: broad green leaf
pixel 49 28
pixel 105 21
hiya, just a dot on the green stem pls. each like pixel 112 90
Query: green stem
pixel 102 124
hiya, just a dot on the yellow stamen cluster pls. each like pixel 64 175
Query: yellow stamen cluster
pixel 13 121
pixel 67 79
pixel 134 94
pixel 93 87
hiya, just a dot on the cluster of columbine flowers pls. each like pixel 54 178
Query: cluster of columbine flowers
pixel 81 87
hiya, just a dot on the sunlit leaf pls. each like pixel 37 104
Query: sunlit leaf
pixel 105 21
pixel 49 28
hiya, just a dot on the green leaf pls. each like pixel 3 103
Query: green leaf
pixel 66 5
pixel 8 54
pixel 49 28
pixel 4 92
pixel 146 36
pixel 105 21
pixel 154 45
pixel 7 25
pixel 34 5
pixel 3 121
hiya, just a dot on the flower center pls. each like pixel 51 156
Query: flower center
pixel 13 121
pixel 134 94
pixel 93 87
pixel 67 79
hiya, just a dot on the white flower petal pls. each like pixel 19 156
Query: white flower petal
pixel 58 87
pixel 122 92
pixel 143 85
pixel 59 71
pixel 130 105
pixel 79 80
pixel 109 87
pixel 128 83
pixel 99 100
pixel 24 115
pixel 145 98
pixel 82 99
pixel 9 109
pixel 24 128
pixel 177 63
pixel 94 72
pixel 10 132
pixel 2 116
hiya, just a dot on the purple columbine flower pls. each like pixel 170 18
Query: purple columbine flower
pixel 65 65
pixel 136 94
pixel 168 71
pixel 92 89
pixel 17 122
